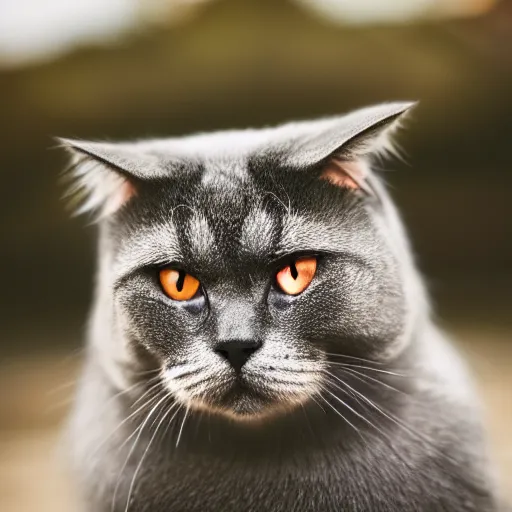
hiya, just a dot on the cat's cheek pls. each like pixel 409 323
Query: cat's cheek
pixel 361 317
pixel 154 324
pixel 364 325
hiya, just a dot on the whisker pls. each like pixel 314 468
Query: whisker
pixel 149 402
pixel 188 374
pixel 154 386
pixel 108 402
pixel 287 369
pixel 145 372
pixel 341 415
pixel 61 387
pixel 286 208
pixel 181 428
pixel 132 449
pixel 125 420
pixel 198 382
pixel 318 403
pixel 307 420
pixel 69 358
pixel 359 415
pixel 180 407
pixel 378 370
pixel 56 406
pixel 350 393
pixel 362 359
pixel 366 399
pixel 385 434
pixel 355 374
pixel 139 465
pixel 282 381
pixel 218 382
pixel 176 407
pixel 397 421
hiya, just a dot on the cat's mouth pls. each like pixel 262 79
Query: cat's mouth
pixel 243 399
pixel 246 396
pixel 245 402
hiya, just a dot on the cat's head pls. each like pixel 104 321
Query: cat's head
pixel 244 262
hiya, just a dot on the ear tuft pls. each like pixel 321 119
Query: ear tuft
pixel 345 146
pixel 98 186
pixel 346 174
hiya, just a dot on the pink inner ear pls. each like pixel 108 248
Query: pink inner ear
pixel 122 195
pixel 347 174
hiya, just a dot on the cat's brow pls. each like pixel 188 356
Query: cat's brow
pixel 301 233
pixel 155 245
pixel 258 232
pixel 201 236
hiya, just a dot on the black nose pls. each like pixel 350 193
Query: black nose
pixel 237 352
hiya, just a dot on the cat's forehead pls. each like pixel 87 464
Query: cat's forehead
pixel 221 215
pixel 294 187
pixel 220 208
pixel 225 175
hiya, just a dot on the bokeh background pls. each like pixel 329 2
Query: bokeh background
pixel 121 69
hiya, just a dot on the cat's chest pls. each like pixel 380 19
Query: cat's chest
pixel 252 492
pixel 209 487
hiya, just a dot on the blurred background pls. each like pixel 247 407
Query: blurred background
pixel 121 69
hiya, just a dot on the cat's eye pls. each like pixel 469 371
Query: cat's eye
pixel 297 276
pixel 177 284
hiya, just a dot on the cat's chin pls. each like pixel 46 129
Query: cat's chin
pixel 246 413
pixel 246 405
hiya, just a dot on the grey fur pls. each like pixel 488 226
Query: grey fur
pixel 161 422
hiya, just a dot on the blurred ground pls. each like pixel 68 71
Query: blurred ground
pixel 34 394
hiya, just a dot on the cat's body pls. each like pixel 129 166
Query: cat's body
pixel 350 399
pixel 305 464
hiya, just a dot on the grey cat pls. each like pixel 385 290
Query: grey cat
pixel 260 339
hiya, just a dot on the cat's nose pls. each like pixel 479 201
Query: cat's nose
pixel 237 352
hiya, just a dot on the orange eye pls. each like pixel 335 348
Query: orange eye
pixel 296 277
pixel 178 285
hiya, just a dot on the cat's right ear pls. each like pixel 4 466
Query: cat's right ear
pixel 344 146
pixel 103 176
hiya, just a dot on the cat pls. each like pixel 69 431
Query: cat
pixel 260 339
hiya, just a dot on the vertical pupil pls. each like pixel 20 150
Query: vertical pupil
pixel 293 270
pixel 180 281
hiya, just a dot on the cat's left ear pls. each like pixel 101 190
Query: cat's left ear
pixel 344 146
pixel 105 176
